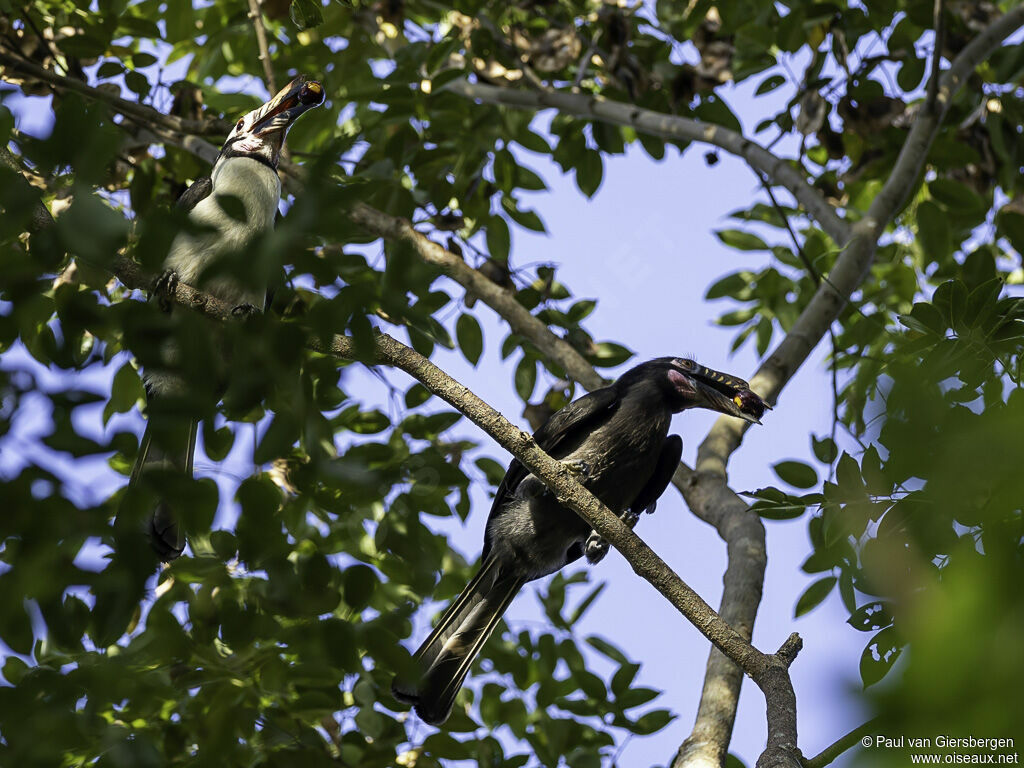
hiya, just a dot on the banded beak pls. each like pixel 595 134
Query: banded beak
pixel 291 102
pixel 718 391
pixel 262 132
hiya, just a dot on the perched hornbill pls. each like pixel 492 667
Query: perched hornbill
pixel 616 439
pixel 245 170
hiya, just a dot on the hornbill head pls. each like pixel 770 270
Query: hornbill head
pixel 260 134
pixel 690 385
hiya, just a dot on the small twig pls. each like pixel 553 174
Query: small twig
pixel 581 70
pixel 841 744
pixel 931 101
pixel 261 42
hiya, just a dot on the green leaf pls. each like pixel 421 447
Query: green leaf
pixel 814 595
pixel 608 354
pixel 871 616
pixel 769 84
pixel 125 391
pixel 730 285
pixel 359 582
pixel 879 656
pixel 589 171
pixel 499 241
pixel 796 473
pixel 958 197
pixel 585 604
pixel 416 396
pixel 526 378
pixel 933 231
pixel 305 14
pixel 605 648
pixel 492 469
pixel 470 337
pixel 652 722
pixel 824 449
pixel 741 240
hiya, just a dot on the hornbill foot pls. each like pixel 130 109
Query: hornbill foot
pixel 245 311
pixel 577 468
pixel 533 487
pixel 164 287
pixel 596 547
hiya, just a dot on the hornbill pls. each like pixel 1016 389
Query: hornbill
pixel 246 170
pixel 616 441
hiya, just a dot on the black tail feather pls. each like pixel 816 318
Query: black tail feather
pixel 168 443
pixel 448 653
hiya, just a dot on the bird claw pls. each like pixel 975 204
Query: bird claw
pixel 597 547
pixel 164 287
pixel 245 311
pixel 578 468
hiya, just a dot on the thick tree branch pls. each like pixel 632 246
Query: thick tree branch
pixel 768 671
pixel 741 597
pixel 780 171
pixel 713 501
pixel 743 533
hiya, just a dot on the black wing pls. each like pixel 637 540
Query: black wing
pixel 564 426
pixel 668 460
pixel 198 190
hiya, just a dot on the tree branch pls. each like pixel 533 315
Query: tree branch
pixel 781 171
pixel 645 562
pixel 768 671
pixel 743 532
pixel 710 499
pixel 130 109
pixel 841 744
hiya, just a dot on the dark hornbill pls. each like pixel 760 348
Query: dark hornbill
pixel 245 170
pixel 616 440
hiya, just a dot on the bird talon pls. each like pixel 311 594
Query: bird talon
pixel 578 468
pixel 596 548
pixel 245 311
pixel 164 287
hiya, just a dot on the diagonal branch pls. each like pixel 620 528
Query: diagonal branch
pixel 781 171
pixel 520 320
pixel 717 504
pixel 769 671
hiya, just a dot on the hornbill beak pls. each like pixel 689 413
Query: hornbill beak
pixel 262 132
pixel 718 391
pixel 299 96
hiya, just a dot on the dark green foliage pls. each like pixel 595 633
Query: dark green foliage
pixel 274 643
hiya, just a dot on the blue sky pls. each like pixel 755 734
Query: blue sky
pixel 644 247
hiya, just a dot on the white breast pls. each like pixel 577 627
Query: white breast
pixel 258 188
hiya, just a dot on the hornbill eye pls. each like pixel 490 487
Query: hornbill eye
pixel 238 125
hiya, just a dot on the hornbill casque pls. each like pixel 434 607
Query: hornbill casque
pixel 616 441
pixel 245 170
